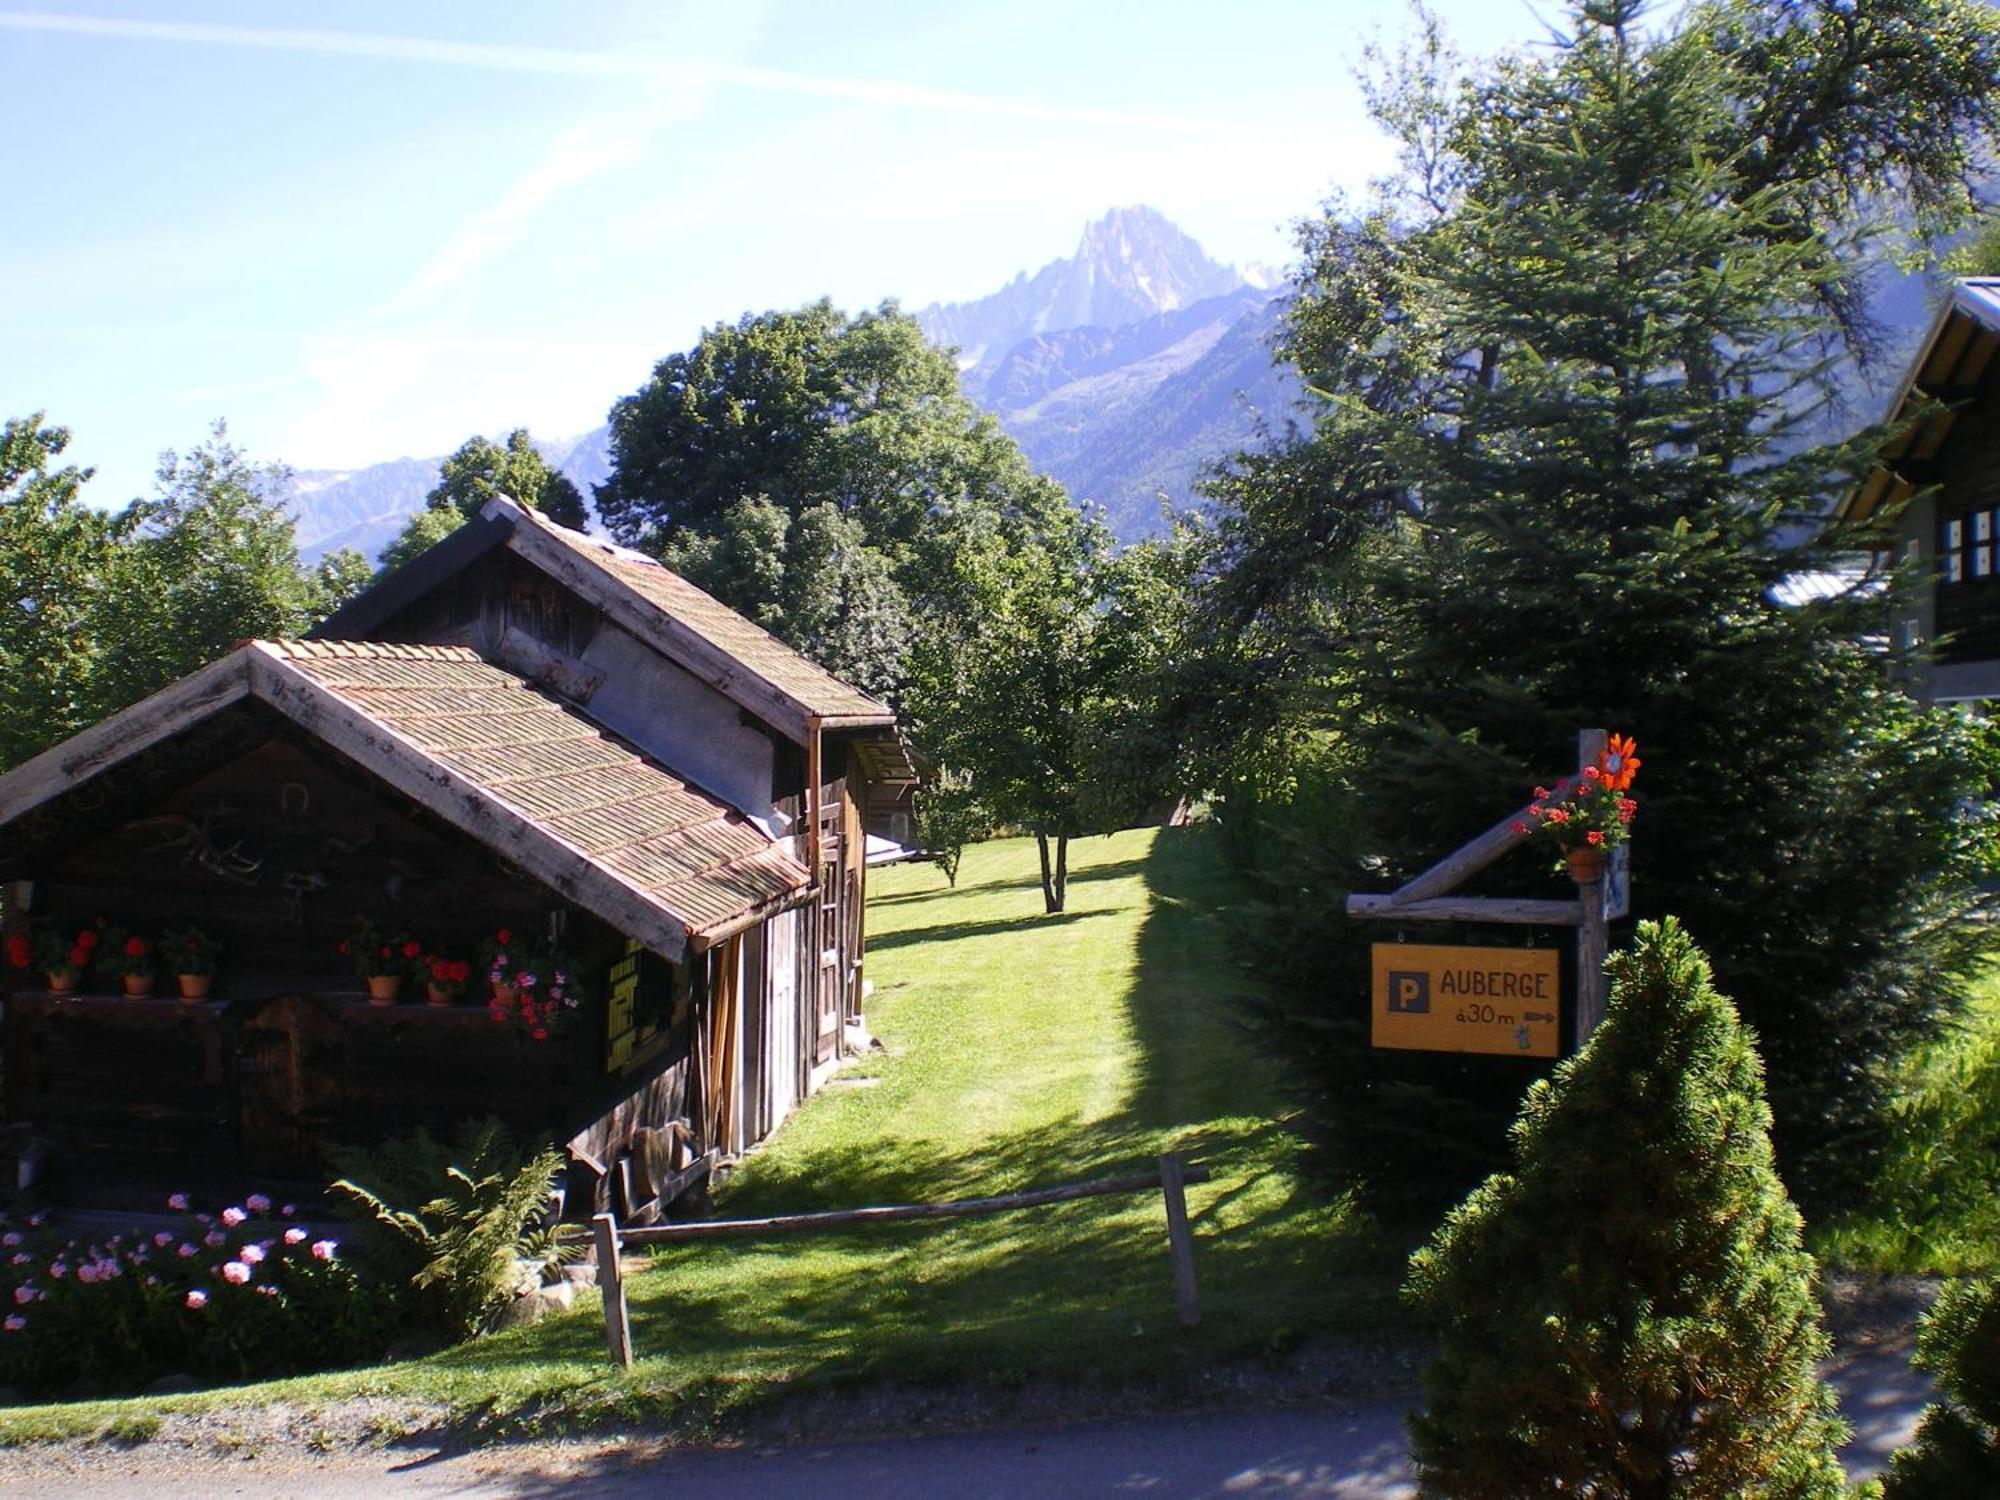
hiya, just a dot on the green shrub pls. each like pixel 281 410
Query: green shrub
pixel 1631 1311
pixel 1957 1449
pixel 461 1225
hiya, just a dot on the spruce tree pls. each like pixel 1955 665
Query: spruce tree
pixel 1630 1312
pixel 1574 457
pixel 1957 1449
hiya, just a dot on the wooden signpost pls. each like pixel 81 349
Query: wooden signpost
pixel 1436 1022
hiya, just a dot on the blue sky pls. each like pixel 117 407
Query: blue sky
pixel 366 231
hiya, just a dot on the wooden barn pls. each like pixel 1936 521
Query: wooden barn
pixel 1935 497
pixel 526 743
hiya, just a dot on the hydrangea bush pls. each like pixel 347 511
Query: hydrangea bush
pixel 246 1291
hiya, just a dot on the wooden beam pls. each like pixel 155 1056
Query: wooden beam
pixel 464 804
pixel 1180 1243
pixel 1463 862
pixel 177 707
pixel 654 1234
pixel 611 1283
pixel 1467 909
pixel 1592 941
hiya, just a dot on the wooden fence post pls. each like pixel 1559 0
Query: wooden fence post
pixel 1593 943
pixel 611 1282
pixel 1180 1243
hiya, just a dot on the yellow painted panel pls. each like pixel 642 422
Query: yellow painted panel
pixel 1430 998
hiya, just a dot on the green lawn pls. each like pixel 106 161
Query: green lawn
pixel 1021 1049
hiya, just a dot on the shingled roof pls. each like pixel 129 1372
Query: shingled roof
pixel 616 833
pixel 685 624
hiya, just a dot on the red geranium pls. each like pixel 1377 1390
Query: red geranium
pixel 135 947
pixel 87 939
pixel 20 952
pixel 413 949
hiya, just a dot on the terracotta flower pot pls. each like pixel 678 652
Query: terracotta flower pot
pixel 62 982
pixel 505 991
pixel 138 986
pixel 1586 865
pixel 437 994
pixel 195 986
pixel 384 989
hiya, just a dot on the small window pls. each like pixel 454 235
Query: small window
pixel 1951 551
pixel 1982 526
pixel 1982 561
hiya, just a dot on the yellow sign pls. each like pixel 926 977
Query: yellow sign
pixel 1445 999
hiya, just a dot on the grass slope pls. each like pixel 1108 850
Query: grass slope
pixel 1021 1049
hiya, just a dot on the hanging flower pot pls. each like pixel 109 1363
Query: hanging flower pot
pixel 384 989
pixel 1586 864
pixel 194 986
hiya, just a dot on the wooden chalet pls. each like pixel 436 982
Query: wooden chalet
pixel 1935 498
pixel 524 728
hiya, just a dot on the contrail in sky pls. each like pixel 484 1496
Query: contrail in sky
pixel 577 63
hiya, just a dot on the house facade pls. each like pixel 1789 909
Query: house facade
pixel 524 731
pixel 1934 500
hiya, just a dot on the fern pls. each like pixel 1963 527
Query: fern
pixel 481 1221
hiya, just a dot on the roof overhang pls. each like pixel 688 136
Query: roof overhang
pixel 1955 354
pixel 261 670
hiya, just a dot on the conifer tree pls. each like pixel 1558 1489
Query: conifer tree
pixel 1630 1313
pixel 1572 461
pixel 1957 1450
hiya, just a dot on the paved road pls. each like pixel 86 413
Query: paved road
pixel 1334 1453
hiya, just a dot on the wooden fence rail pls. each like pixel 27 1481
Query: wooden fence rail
pixel 1169 1178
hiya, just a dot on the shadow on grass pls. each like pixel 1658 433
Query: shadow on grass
pixel 947 931
pixel 1063 1290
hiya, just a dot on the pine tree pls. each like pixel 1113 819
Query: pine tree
pixel 1570 467
pixel 1630 1313
pixel 1957 1449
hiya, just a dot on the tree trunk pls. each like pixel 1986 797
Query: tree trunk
pixel 1055 878
pixel 1062 872
pixel 1048 880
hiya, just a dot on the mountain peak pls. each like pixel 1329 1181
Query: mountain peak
pixel 1131 264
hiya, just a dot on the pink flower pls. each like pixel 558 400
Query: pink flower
pixel 236 1273
pixel 257 1203
pixel 251 1254
pixel 152 1281
pixel 294 1235
pixel 289 1209
pixel 323 1249
pixel 197 1299
pixel 163 1239
pixel 186 1251
pixel 86 1273
pixel 20 1258
pixel 15 1323
pixel 204 1218
pixel 178 1202
pixel 24 1294
pixel 267 1291
pixel 58 1270
pixel 11 1238
pixel 214 1239
pixel 231 1217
